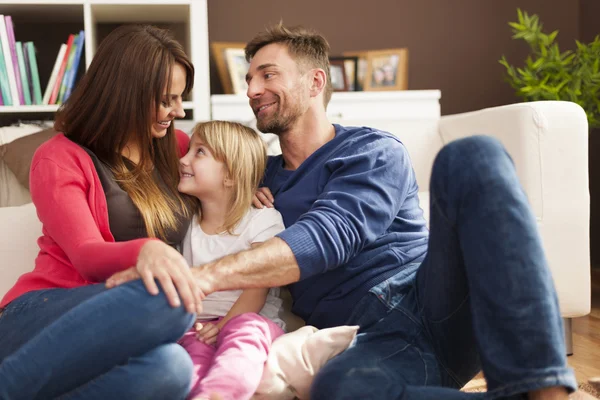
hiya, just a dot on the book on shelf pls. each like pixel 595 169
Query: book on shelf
pixel 23 74
pixel 61 71
pixel 8 63
pixel 75 66
pixel 27 71
pixel 54 74
pixel 13 50
pixel 68 69
pixel 4 86
pixel 35 76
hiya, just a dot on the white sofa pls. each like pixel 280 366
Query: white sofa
pixel 547 141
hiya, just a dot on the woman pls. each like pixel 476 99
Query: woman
pixel 106 194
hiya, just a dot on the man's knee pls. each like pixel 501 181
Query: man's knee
pixel 473 160
pixel 473 150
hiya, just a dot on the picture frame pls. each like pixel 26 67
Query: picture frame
pixel 337 72
pixel 387 70
pixel 350 69
pixel 231 66
pixel 361 67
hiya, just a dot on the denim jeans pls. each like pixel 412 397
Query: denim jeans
pixel 93 343
pixel 483 298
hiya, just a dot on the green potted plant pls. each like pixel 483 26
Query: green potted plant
pixel 549 74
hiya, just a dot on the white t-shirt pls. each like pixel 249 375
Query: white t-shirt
pixel 258 225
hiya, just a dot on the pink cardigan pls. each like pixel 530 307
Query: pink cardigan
pixel 76 246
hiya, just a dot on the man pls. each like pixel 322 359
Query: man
pixel 434 307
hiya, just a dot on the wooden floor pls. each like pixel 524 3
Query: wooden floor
pixel 586 337
pixel 586 342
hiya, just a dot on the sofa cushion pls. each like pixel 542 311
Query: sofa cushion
pixel 19 230
pixel 19 153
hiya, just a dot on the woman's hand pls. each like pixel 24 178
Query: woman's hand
pixel 263 197
pixel 159 261
pixel 207 332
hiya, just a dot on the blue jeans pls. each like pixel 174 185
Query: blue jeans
pixel 483 298
pixel 93 343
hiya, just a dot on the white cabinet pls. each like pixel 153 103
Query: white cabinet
pixel 48 23
pixel 396 112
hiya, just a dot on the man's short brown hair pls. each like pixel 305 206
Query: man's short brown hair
pixel 308 48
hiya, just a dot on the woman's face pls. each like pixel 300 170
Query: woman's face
pixel 171 104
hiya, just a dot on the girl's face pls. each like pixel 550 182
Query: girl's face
pixel 201 175
pixel 171 105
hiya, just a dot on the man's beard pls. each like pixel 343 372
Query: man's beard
pixel 277 123
pixel 282 121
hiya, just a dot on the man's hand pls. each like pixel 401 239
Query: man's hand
pixel 263 197
pixel 207 332
pixel 159 261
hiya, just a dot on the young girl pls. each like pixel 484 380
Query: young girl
pixel 229 344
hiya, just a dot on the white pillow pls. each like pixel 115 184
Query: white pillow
pixel 19 230
pixel 295 358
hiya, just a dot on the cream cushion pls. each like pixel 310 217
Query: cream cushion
pixel 296 357
pixel 19 230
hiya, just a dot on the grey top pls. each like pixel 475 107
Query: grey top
pixel 125 219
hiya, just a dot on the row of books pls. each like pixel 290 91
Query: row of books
pixel 19 77
pixel 64 72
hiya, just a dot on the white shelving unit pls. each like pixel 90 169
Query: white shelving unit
pixel 350 107
pixel 48 22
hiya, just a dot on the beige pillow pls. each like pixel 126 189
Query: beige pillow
pixel 19 153
pixel 296 357
pixel 19 230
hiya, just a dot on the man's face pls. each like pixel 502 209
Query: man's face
pixel 278 90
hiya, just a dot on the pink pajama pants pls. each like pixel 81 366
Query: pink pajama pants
pixel 234 366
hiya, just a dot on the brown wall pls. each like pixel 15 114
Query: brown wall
pixel 454 45
pixel 589 25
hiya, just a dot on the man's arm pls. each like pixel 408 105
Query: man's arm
pixel 270 264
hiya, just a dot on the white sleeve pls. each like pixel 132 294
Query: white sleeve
pixel 265 224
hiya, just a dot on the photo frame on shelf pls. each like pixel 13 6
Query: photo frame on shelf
pixel 387 70
pixel 237 67
pixel 361 67
pixel 349 66
pixel 337 72
pixel 231 66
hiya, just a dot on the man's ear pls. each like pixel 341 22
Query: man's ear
pixel 318 83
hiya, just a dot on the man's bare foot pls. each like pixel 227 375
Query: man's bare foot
pixel 552 393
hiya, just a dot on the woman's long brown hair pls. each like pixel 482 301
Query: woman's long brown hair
pixel 113 105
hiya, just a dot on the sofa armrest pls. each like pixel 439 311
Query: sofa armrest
pixel 548 141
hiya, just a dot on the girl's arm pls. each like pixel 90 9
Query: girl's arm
pixel 251 300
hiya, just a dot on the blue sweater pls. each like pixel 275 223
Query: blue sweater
pixel 352 220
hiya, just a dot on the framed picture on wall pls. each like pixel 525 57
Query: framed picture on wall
pixel 231 66
pixel 387 70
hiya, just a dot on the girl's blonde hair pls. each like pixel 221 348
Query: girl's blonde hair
pixel 244 154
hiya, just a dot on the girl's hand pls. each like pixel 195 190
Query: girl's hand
pixel 207 332
pixel 263 197
pixel 157 260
